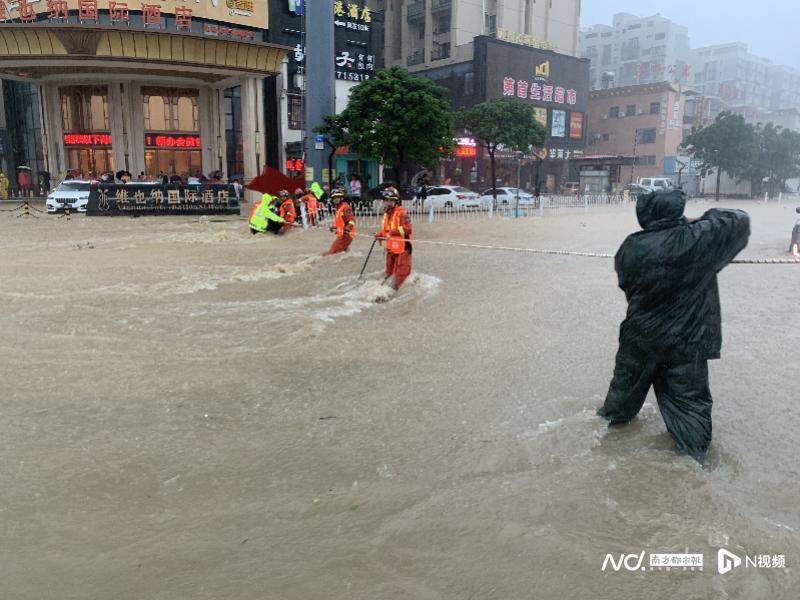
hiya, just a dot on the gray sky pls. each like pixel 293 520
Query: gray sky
pixel 772 32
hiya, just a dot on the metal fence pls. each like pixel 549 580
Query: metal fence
pixel 371 214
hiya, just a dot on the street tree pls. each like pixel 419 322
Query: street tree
pixel 725 145
pixel 396 118
pixel 506 122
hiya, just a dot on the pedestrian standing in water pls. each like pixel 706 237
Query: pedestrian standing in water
pixel 668 272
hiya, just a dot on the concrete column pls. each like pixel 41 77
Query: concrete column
pixel 134 126
pixel 119 138
pixel 208 138
pixel 54 139
pixel 219 154
pixel 252 129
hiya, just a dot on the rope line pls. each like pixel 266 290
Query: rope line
pixel 760 261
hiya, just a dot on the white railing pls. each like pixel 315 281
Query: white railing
pixel 370 215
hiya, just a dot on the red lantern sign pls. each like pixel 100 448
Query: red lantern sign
pixel 295 164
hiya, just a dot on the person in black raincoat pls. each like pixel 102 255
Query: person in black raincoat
pixel 668 272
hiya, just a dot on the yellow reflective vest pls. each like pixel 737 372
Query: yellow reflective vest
pixel 264 213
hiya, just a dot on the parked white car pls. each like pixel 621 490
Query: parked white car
pixel 72 192
pixel 656 184
pixel 506 195
pixel 451 196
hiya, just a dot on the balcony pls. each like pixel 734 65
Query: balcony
pixel 416 10
pixel 440 51
pixel 417 58
pixel 440 5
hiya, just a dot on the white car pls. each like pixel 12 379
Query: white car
pixel 656 184
pixel 451 196
pixel 72 192
pixel 506 195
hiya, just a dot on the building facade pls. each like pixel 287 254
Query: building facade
pixel 358 53
pixel 160 91
pixel 556 86
pixel 424 34
pixel 642 121
pixel 731 73
pixel 636 50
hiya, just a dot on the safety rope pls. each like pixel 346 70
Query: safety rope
pixel 761 261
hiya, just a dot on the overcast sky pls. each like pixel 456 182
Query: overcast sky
pixel 773 32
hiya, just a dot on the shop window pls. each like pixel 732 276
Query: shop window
pixel 173 111
pixel 234 142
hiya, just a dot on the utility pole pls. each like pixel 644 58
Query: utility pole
pixel 635 142
pixel 320 99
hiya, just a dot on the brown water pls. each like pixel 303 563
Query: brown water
pixel 189 411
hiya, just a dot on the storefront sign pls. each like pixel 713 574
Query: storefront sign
pixel 168 140
pixel 559 126
pixel 466 151
pixel 351 16
pixel 240 12
pixel 522 38
pixel 576 126
pixel 538 92
pixel 73 140
pixel 153 199
pixel 229 32
pixel 540 114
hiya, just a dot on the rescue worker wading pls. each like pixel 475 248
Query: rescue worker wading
pixel 396 231
pixel 264 216
pixel 287 211
pixel 310 200
pixel 344 223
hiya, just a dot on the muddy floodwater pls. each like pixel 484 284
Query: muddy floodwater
pixel 192 412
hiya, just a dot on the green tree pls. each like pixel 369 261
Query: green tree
pixel 725 145
pixel 505 121
pixel 396 118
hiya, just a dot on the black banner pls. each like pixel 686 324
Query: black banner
pixel 156 199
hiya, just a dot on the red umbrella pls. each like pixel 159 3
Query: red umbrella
pixel 272 181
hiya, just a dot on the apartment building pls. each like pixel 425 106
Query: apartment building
pixel 424 34
pixel 642 121
pixel 731 73
pixel 636 50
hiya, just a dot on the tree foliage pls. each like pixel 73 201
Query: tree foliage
pixel 726 145
pixel 396 118
pixel 775 159
pixel 506 122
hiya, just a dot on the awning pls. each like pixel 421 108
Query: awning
pixel 38 50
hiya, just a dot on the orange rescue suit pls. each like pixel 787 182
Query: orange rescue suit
pixel 287 213
pixel 345 227
pixel 397 232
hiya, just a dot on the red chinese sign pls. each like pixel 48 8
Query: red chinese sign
pixel 295 164
pixel 576 126
pixel 466 151
pixel 539 92
pixel 219 30
pixel 87 139
pixel 166 140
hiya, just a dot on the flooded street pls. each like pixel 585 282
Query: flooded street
pixel 192 412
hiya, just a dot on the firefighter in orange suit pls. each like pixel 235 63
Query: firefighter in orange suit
pixel 344 222
pixel 396 232
pixel 287 211
pixel 310 200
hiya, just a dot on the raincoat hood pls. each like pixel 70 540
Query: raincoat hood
pixel 660 210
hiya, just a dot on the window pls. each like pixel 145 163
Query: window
pixel 646 160
pixel 660 36
pixel 630 110
pixel 295 111
pixel 606 137
pixel 613 112
pixel 655 108
pixel 234 141
pixel 170 109
pixel 84 108
pixel 469 83
pixel 647 136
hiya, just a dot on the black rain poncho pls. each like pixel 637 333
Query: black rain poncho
pixel 668 272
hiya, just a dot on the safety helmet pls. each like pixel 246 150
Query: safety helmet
pixel 298 191
pixel 283 194
pixel 338 195
pixel 391 193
